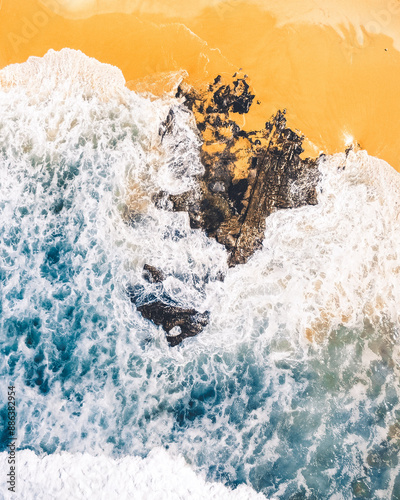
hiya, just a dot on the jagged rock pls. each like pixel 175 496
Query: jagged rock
pixel 190 321
pixel 169 316
pixel 236 98
pixel 248 176
pixel 152 274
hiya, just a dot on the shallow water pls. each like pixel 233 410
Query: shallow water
pixel 291 389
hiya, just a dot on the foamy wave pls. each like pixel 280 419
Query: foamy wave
pixel 67 71
pixel 330 265
pixel 81 476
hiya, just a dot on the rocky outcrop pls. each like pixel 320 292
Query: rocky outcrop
pixel 152 274
pixel 248 176
pixel 189 321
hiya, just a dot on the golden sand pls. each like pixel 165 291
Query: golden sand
pixel 336 69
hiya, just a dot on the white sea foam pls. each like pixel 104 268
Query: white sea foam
pixel 328 265
pixel 65 72
pixel 82 477
pixel 250 399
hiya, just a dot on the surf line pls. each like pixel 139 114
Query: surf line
pixel 12 438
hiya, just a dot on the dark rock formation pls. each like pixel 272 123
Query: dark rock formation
pixel 236 97
pixel 166 314
pixel 152 274
pixel 190 321
pixel 248 175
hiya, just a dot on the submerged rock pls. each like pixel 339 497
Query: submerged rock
pixel 190 321
pixel 152 274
